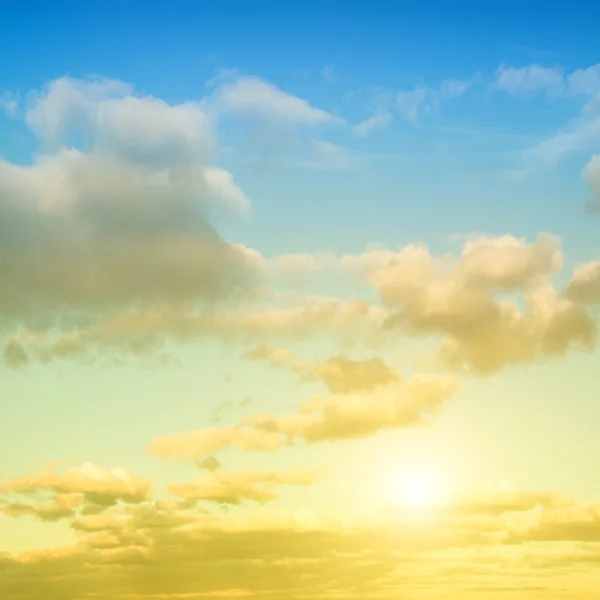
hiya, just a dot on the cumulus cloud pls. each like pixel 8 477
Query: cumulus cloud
pixel 120 219
pixel 584 285
pixel 493 305
pixel 113 120
pixel 461 299
pixel 95 233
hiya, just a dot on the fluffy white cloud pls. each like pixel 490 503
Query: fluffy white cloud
pixel 106 116
pixel 121 219
pixel 95 232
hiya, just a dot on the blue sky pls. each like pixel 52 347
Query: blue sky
pixel 348 61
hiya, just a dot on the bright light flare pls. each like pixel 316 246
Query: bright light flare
pixel 417 490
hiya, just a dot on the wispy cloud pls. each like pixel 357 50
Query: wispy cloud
pixel 9 103
pixel 251 96
pixel 554 81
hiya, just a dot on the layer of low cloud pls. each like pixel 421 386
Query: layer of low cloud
pixel 511 541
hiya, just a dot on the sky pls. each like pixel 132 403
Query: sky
pixel 299 300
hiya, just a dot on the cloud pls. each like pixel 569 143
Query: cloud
pixel 94 232
pixel 330 156
pixel 88 487
pixel 145 330
pixel 114 121
pixel 529 80
pixel 9 104
pixel 340 416
pixel 379 120
pixel 492 306
pixel 458 298
pixel 591 175
pixel 581 135
pixel 201 442
pixel 584 286
pixel 234 487
pixel 508 541
pixel 122 220
pixel 343 375
pixel 585 81
pixel 424 100
pixel 412 104
pixel 328 73
pixel 253 97
pixel 453 88
pixel 340 374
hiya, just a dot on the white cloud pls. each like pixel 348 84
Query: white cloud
pixel 582 134
pixel 328 73
pixel 529 80
pixel 534 79
pixel 426 100
pixel 453 88
pixel 379 120
pixel 254 97
pixel 112 120
pixel 411 104
pixel 330 156
pixel 585 81
pixel 9 103
pixel 591 175
pixel 121 218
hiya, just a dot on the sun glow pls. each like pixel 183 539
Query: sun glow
pixel 416 490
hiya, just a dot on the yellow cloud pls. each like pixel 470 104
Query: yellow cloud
pixel 88 487
pixel 537 541
pixel 335 417
pixel 236 486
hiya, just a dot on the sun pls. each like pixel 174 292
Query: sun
pixel 415 490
